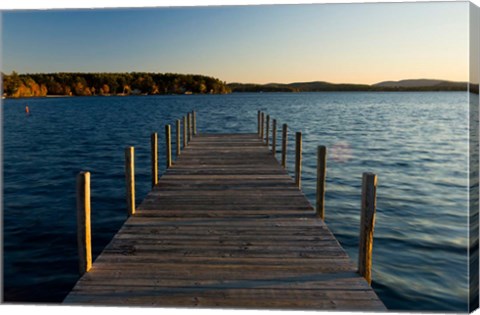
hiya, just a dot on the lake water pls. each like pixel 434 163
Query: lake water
pixel 417 144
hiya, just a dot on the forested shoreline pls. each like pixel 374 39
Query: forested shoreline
pixel 89 84
pixel 144 83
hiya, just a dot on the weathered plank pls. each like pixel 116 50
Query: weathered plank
pixel 225 226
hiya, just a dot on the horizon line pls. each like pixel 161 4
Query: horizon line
pixel 238 82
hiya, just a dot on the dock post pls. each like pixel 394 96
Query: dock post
pixel 258 122
pixel 267 131
pixel 284 146
pixel 168 145
pixel 184 132
pixel 130 179
pixel 177 152
pixel 321 176
pixel 367 224
pixel 262 120
pixel 189 127
pixel 84 238
pixel 298 159
pixel 194 123
pixel 274 136
pixel 154 146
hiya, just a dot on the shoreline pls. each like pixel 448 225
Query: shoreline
pixel 243 92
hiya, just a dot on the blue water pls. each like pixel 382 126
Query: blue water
pixel 417 143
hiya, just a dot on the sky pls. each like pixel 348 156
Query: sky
pixel 339 43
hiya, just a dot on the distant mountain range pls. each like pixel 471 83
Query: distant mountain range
pixel 320 86
pixel 422 83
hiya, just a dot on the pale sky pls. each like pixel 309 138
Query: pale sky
pixel 340 43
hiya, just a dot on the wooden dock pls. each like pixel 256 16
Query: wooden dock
pixel 227 227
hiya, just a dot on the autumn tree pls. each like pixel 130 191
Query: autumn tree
pixel 104 89
pixel 85 84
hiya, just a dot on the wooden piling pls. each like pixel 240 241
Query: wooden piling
pixel 130 179
pixel 298 159
pixel 178 151
pixel 84 238
pixel 154 154
pixel 258 123
pixel 184 132
pixel 321 177
pixel 267 127
pixel 189 127
pixel 262 120
pixel 168 146
pixel 194 123
pixel 367 224
pixel 274 136
pixel 284 145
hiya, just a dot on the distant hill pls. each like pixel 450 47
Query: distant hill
pixel 326 86
pixel 421 83
pixel 317 86
pixel 321 86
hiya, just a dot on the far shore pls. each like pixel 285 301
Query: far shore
pixel 57 85
pixel 237 92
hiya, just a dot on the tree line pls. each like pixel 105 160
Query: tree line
pixel 334 87
pixel 87 84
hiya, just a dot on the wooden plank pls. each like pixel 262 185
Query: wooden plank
pixel 225 226
pixel 259 298
pixel 112 260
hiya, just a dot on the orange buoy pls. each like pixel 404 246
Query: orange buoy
pixel 27 110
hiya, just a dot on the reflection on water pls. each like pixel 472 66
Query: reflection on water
pixel 417 143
